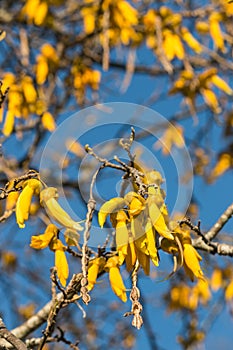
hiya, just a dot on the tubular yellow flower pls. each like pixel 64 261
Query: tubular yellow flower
pixel 60 259
pixel 144 261
pixel 62 266
pixel 9 123
pixel 48 200
pixel 151 244
pixel 28 89
pixel 115 278
pixel 24 201
pixel 190 40
pixel 158 221
pixel 95 266
pixel 42 241
pixel 109 207
pixel 11 200
pixel 48 121
pixel 42 70
pixel 41 13
pixel 191 260
pixel 131 256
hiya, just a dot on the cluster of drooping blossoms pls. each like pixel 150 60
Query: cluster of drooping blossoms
pixel 142 226
pixel 50 238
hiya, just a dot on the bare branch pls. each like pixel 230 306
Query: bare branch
pixel 10 338
pixel 212 233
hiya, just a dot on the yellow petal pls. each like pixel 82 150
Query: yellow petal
pixel 223 164
pixel 62 266
pixel 190 40
pixel 131 256
pixel 122 253
pixel 151 244
pixel 216 281
pixel 30 8
pixel 94 267
pixel 89 18
pixel 48 121
pixel 215 31
pixel 49 52
pixel 192 258
pixel 178 47
pixel 122 235
pixel 221 84
pixel 28 89
pixel 144 261
pixel 111 206
pixel 9 123
pixel 158 221
pixel 211 100
pixel 12 200
pixel 117 283
pixel 23 206
pixel 137 228
pixel 41 13
pixel 42 70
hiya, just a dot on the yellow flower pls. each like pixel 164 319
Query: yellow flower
pixel 42 241
pixel 115 278
pixel 42 69
pixel 48 121
pixel 190 40
pixel 191 262
pixel 9 123
pixel 131 256
pixel 95 266
pixel 48 200
pixel 216 279
pixel 62 266
pixel 30 187
pixel 109 207
pixel 151 244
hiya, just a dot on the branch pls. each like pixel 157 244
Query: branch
pixel 212 233
pixel 10 338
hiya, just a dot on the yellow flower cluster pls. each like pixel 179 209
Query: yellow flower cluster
pixel 122 19
pixel 23 101
pixel 84 77
pixel 190 85
pixel 48 199
pixel 138 221
pixel 173 34
pixel 183 296
pixel 35 11
pixel 223 278
pixel 182 247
